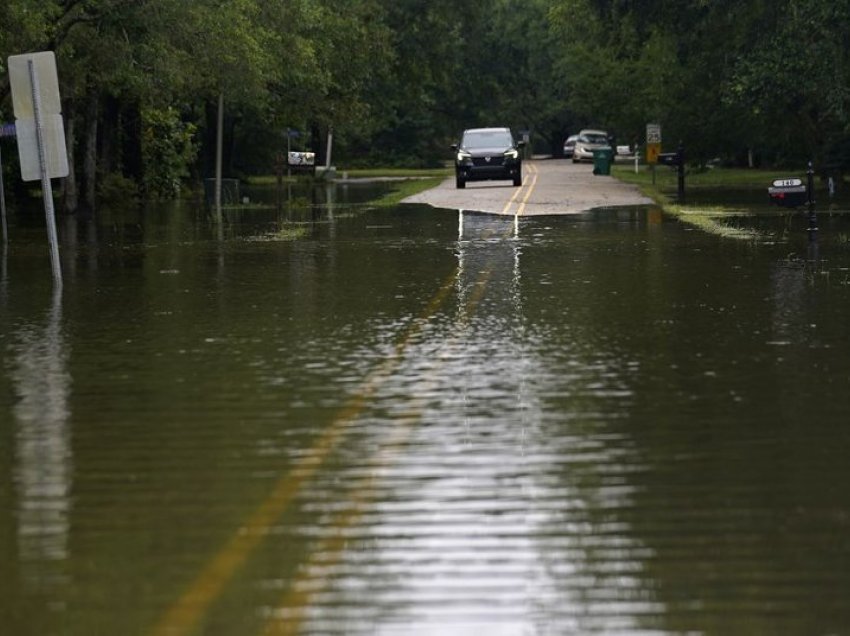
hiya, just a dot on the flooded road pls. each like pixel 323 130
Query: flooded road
pixel 416 421
pixel 549 187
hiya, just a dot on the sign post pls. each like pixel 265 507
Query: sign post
pixel 6 130
pixel 41 135
pixel 3 204
pixel 653 146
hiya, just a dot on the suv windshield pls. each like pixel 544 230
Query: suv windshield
pixel 487 139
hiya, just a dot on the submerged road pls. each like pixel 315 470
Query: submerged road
pixel 554 186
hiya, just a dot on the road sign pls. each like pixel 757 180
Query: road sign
pixel 55 154
pixel 48 84
pixel 653 133
pixel 39 69
pixel 41 135
pixel 652 152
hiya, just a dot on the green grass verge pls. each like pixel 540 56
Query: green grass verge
pixel 400 190
pixel 737 178
pixel 364 173
pixel 718 220
pixel 286 232
pixel 403 173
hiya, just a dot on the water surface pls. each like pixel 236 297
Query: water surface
pixel 415 421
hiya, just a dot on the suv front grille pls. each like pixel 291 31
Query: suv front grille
pixel 495 161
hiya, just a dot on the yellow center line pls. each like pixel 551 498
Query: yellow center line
pixel 528 192
pixel 511 200
pixel 288 616
pixel 186 613
pixel 533 170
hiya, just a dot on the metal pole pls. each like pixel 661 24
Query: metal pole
pixel 810 186
pixel 330 147
pixel 219 145
pixel 46 189
pixel 3 204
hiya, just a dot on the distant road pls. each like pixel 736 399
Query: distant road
pixel 555 186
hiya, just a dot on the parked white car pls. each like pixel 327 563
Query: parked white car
pixel 588 141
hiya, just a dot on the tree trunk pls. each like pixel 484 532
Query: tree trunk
pixel 108 136
pixel 70 190
pixel 90 160
pixel 131 138
pixel 316 142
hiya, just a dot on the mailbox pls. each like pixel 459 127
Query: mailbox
pixel 669 158
pixel 789 193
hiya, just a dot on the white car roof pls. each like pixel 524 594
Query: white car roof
pixel 487 129
pixel 593 131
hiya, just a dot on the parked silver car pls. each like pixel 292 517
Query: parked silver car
pixel 569 145
pixel 588 141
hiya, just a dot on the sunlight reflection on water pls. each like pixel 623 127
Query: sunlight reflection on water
pixel 420 421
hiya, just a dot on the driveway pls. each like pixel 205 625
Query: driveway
pixel 554 186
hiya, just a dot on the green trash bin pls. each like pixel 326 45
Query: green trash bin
pixel 602 159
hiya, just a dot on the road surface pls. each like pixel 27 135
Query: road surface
pixel 552 186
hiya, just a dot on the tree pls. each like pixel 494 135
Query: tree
pixel 796 77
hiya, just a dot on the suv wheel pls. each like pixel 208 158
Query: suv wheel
pixel 460 182
pixel 518 179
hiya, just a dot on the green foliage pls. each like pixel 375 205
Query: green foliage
pixel 398 79
pixel 797 75
pixel 117 190
pixel 167 150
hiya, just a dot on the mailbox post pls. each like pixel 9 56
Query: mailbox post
pixel 676 159
pixel 813 218
pixel 793 193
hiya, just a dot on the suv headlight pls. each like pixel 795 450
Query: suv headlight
pixel 513 153
pixel 463 156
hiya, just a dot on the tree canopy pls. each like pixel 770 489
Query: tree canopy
pixel 397 80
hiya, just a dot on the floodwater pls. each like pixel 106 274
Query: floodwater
pixel 416 421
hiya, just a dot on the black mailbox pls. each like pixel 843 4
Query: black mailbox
pixel 789 193
pixel 669 158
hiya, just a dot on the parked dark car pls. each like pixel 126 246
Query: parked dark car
pixel 486 154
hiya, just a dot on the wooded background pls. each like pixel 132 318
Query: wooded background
pixel 747 82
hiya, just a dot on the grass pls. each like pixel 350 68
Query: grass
pixel 400 190
pixel 400 173
pixel 406 181
pixel 287 232
pixel 737 178
pixel 717 218
pixel 365 173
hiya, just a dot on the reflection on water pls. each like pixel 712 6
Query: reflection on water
pixel 469 525
pixel 43 455
pixel 415 421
